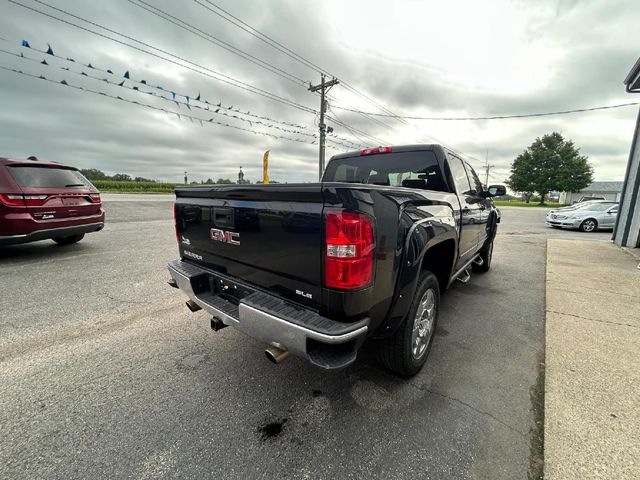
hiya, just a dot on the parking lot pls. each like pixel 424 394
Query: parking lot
pixel 105 373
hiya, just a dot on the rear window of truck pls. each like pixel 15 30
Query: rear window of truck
pixel 36 177
pixel 403 169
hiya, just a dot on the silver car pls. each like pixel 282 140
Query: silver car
pixel 588 217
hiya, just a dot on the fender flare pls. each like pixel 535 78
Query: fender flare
pixel 422 236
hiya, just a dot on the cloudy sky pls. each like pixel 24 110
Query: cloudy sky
pixel 416 58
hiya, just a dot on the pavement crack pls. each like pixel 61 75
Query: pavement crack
pixel 471 407
pixel 594 319
pixel 125 302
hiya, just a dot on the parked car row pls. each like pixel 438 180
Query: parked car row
pixel 587 216
pixel 40 200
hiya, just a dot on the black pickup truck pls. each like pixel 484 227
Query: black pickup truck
pixel 316 269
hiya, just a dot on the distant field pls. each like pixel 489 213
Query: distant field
pixel 133 187
pixel 514 203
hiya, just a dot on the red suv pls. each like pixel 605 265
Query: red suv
pixel 40 200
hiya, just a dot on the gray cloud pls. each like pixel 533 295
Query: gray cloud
pixel 60 124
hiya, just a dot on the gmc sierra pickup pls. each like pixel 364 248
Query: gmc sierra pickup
pixel 316 269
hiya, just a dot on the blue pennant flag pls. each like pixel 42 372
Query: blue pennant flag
pixel 159 87
pixel 50 50
pixel 109 71
pixel 90 66
pixel 121 83
pixel 187 97
pixel 198 97
pixel 70 59
pixel 173 94
pixel 64 82
pixel 135 88
pixel 143 81
pixel 25 44
pixel 126 74
pixel 44 62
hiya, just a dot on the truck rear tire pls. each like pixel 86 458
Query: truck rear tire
pixel 406 351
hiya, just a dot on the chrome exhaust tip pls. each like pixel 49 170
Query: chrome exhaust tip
pixel 193 306
pixel 276 355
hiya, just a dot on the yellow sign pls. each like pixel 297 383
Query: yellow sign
pixel 265 167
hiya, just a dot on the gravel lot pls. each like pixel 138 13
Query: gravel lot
pixel 106 374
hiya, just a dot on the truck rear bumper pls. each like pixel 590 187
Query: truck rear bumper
pixel 326 343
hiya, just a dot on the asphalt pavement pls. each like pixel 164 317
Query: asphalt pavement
pixel 106 374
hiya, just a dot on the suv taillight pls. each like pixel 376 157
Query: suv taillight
pixel 349 248
pixel 35 200
pixel 12 200
pixel 95 198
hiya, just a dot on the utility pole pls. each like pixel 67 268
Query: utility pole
pixel 323 87
pixel 487 167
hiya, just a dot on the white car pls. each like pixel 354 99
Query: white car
pixel 587 216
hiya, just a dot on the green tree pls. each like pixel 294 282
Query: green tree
pixel 550 163
pixel 121 177
pixel 93 173
pixel 224 181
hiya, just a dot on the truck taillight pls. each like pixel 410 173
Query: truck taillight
pixel 348 250
pixel 175 222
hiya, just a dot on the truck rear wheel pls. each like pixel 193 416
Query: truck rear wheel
pixel 406 351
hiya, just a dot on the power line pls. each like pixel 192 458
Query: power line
pixel 226 78
pixel 216 41
pixel 499 117
pixel 261 36
pixel 202 121
pixel 365 134
pixel 287 51
pixel 154 92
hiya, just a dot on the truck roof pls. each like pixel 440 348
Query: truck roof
pixel 395 149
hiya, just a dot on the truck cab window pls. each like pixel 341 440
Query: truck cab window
pixel 476 184
pixel 419 169
pixel 459 175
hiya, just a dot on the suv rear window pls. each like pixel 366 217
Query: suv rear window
pixel 403 169
pixel 35 177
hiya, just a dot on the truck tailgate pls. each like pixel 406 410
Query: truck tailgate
pixel 267 235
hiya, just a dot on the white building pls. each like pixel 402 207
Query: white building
pixel 608 190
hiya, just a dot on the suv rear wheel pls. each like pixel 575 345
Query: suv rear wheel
pixel 68 240
pixel 406 351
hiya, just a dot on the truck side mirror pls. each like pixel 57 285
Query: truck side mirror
pixel 496 190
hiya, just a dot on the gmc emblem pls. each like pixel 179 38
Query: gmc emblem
pixel 225 236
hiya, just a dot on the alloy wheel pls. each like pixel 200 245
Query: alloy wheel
pixel 423 324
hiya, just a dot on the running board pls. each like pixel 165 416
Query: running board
pixel 463 275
